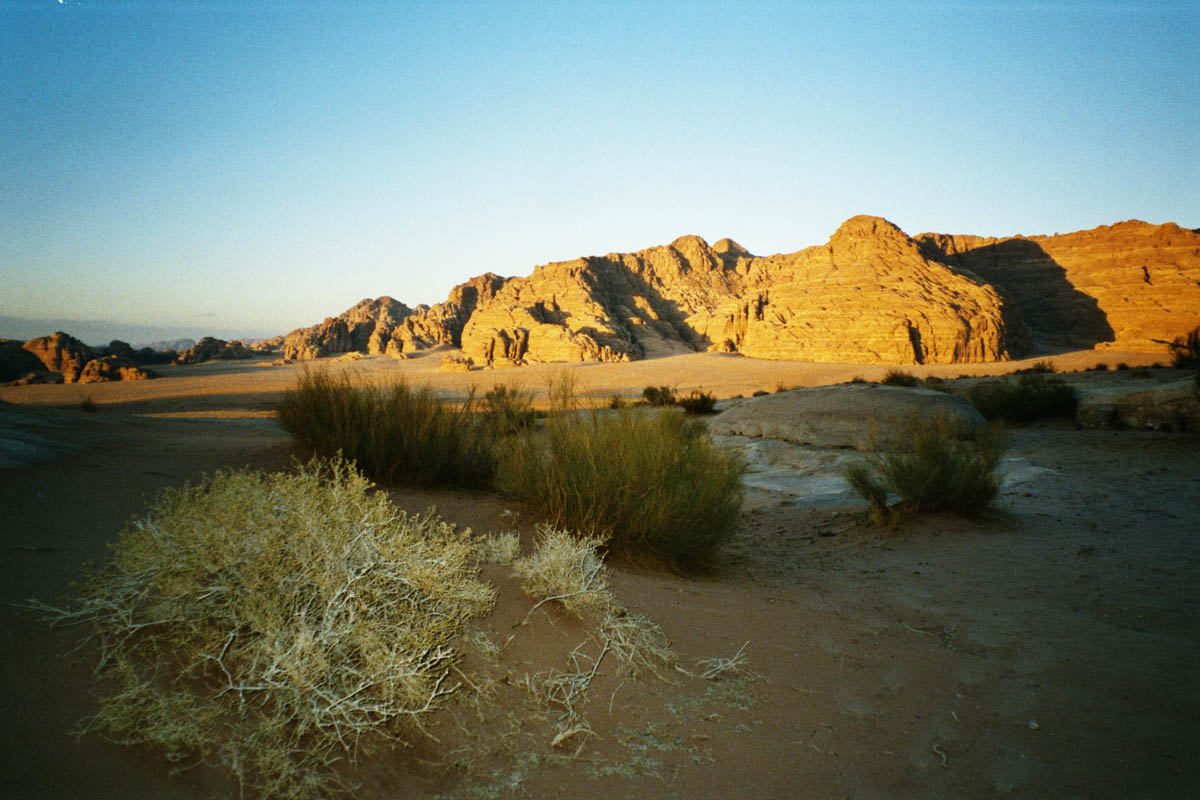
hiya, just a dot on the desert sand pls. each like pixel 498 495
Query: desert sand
pixel 1048 649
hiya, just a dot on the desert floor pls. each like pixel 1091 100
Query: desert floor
pixel 1048 649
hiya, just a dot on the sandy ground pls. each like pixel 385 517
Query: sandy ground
pixel 1049 649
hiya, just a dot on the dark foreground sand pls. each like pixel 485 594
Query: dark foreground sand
pixel 1050 649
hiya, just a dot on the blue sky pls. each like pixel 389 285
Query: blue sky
pixel 245 168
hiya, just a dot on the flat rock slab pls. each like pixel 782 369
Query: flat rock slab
pixel 27 439
pixel 852 415
pixel 1171 406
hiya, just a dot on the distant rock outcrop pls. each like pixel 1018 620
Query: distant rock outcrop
pixel 113 368
pixel 871 294
pixel 366 327
pixel 60 352
pixel 209 349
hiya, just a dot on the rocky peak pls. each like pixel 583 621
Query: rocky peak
pixel 729 248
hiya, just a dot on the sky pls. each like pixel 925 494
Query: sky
pixel 243 168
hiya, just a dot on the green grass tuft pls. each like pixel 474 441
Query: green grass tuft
pixel 1033 395
pixel 943 470
pixel 659 395
pixel 896 377
pixel 698 402
pixel 651 482
pixel 394 433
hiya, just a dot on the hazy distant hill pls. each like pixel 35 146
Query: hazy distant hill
pixel 871 294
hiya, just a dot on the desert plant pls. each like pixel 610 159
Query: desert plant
pixel 760 393
pixel 896 377
pixel 1038 368
pixel 652 482
pixel 1185 350
pixel 944 469
pixel 935 383
pixel 659 395
pixel 89 405
pixel 394 433
pixel 278 624
pixel 1032 396
pixel 698 402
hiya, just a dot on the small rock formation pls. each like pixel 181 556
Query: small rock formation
pixel 113 368
pixel 59 352
pixel 16 362
pixel 209 349
pixel 856 415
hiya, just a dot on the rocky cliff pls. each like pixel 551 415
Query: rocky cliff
pixel 871 294
pixel 1131 285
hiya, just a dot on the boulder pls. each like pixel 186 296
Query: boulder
pixel 851 415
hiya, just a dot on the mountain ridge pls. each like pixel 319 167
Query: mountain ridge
pixel 871 294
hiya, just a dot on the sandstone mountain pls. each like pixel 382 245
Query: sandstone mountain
pixel 871 294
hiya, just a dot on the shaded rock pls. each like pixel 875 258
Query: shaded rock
pixel 42 376
pixel 60 352
pixel 1171 406
pixel 17 362
pixel 854 415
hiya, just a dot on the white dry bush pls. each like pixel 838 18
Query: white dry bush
pixel 278 623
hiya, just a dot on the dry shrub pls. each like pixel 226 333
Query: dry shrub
pixel 393 433
pixel 898 377
pixel 278 623
pixel 650 481
pixel 1185 350
pixel 945 469
pixel 1034 395
pixel 698 402
pixel 568 569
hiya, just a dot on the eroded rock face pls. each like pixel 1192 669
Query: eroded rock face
pixel 870 295
pixel 60 352
pixel 1131 285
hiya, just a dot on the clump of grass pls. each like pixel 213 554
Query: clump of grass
pixel 278 624
pixel 1031 396
pixel 394 433
pixel 945 469
pixel 896 377
pixel 507 410
pixel 698 402
pixel 659 395
pixel 652 482
pixel 1185 350
pixel 759 393
pixel 89 405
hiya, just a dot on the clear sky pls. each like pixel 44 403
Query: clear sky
pixel 245 168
